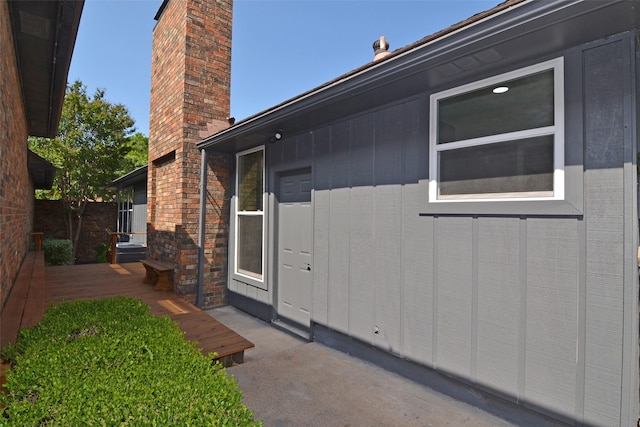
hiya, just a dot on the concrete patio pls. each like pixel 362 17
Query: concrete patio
pixel 287 381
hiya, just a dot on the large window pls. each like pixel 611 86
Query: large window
pixel 250 214
pixel 500 138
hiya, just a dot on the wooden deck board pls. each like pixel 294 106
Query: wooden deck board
pixel 11 317
pixel 94 281
pixel 35 304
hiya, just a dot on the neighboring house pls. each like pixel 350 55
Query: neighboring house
pixel 463 208
pixel 131 191
pixel 36 41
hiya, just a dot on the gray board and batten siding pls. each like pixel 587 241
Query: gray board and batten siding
pixel 139 221
pixel 537 307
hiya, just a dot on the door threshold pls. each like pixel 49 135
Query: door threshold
pixel 297 331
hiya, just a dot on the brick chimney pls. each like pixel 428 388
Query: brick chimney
pixel 190 91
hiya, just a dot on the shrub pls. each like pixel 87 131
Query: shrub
pixel 110 362
pixel 57 251
pixel 101 250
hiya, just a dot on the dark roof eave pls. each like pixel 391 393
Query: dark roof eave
pixel 529 28
pixel 135 176
pixel 41 171
pixel 43 51
pixel 161 9
pixel 319 94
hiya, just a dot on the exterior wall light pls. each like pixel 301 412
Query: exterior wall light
pixel 276 136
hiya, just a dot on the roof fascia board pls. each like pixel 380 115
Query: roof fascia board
pixel 400 64
pixel 436 48
pixel 65 40
pixel 129 178
pixel 43 59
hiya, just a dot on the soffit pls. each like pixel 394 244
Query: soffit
pixel 41 171
pixel 129 180
pixel 44 34
pixel 508 38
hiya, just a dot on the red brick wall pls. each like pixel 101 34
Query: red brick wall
pixel 190 89
pixel 167 82
pixel 219 183
pixel 48 218
pixel 16 190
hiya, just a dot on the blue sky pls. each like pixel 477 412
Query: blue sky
pixel 280 48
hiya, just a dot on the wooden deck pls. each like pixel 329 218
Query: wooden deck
pixel 55 284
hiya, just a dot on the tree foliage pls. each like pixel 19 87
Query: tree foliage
pixel 93 141
pixel 138 153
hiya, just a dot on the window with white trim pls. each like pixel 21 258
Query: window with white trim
pixel 249 259
pixel 500 138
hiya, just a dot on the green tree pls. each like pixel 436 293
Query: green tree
pixel 138 153
pixel 88 152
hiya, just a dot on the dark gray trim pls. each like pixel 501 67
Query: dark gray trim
pixel 434 348
pixel 491 401
pixel 44 35
pixel 475 243
pixel 160 10
pixel 522 325
pixel 134 177
pixel 495 215
pixel 292 327
pixel 255 308
pixel 202 215
pixel 629 401
pixel 582 321
pixel 41 171
pixel 520 32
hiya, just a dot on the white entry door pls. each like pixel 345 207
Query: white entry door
pixel 295 245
